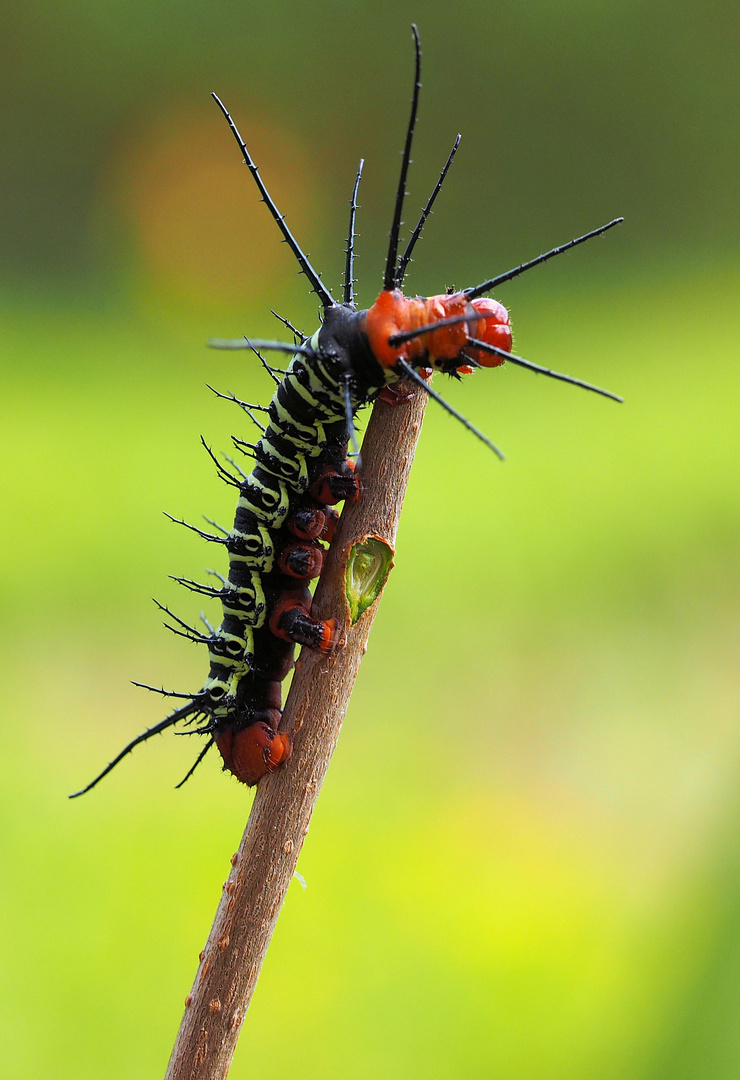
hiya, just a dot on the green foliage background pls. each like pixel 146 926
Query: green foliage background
pixel 525 861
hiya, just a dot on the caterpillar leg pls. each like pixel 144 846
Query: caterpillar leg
pixel 290 620
pixel 330 525
pixel 313 523
pixel 307 522
pixel 254 751
pixel 248 739
pixel 334 485
pixel 302 560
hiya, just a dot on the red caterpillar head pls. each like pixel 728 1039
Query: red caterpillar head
pixel 393 314
pixel 493 328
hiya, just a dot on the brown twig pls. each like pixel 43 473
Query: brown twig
pixel 314 711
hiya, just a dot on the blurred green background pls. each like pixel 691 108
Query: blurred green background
pixel 525 861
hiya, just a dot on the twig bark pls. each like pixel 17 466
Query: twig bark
pixel 263 867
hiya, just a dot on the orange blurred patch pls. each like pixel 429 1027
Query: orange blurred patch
pixel 202 234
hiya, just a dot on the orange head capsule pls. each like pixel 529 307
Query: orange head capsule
pixel 494 329
pixel 387 316
pixel 393 314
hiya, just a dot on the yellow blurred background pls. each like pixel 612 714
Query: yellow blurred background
pixel 525 861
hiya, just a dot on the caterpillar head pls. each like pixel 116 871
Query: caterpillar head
pixel 454 321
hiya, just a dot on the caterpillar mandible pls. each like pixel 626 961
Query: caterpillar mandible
pixel 285 506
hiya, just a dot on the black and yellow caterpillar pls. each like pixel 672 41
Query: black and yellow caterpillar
pixel 301 471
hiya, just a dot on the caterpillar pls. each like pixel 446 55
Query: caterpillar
pixel 285 505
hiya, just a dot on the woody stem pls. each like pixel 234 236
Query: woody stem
pixel 317 702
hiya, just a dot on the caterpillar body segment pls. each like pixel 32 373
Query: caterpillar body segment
pixel 285 505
